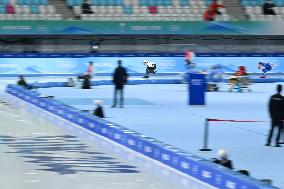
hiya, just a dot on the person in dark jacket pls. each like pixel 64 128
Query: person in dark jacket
pixel 22 82
pixel 267 8
pixel 86 82
pixel 119 79
pixel 99 109
pixel 276 110
pixel 86 7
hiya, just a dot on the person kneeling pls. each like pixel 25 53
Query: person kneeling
pixel 99 109
pixel 22 82
pixel 223 159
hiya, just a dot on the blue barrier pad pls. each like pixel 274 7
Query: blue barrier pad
pixel 107 101
pixel 109 82
pixel 145 81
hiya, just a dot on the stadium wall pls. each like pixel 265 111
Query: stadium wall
pixel 12 27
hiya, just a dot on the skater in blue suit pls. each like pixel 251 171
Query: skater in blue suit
pixel 266 68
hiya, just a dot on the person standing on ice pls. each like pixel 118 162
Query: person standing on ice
pixel 120 76
pixel 276 110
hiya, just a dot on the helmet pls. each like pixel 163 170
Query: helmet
pixel 222 153
pixel 98 102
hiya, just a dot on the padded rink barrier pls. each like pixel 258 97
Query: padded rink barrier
pixel 109 82
pixel 187 163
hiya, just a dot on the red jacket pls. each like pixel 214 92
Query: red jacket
pixel 214 6
pixel 10 9
pixel 241 72
pixel 153 9
pixel 209 15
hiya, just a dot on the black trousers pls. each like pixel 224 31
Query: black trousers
pixel 150 69
pixel 274 124
pixel 118 89
pixel 218 12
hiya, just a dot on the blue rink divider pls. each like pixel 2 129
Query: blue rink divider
pixel 137 82
pixel 77 74
pixel 257 80
pixel 109 82
pixel 187 163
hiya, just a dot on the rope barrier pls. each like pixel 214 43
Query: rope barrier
pixel 206 129
pixel 231 120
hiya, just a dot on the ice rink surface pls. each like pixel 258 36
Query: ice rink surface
pixel 39 150
pixel 161 112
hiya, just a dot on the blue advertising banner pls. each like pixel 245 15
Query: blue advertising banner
pixel 231 64
pixel 197 89
pixel 65 65
pixel 105 63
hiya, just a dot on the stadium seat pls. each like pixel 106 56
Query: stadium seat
pixel 253 9
pixel 2 9
pixel 4 2
pixel 127 9
pixel 13 2
pixel 174 10
pixel 70 3
pixel 43 2
pixel 26 9
pixel 50 9
pixel 18 9
pixel 77 10
pixel 34 9
pixel 41 9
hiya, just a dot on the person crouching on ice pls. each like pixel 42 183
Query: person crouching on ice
pixel 151 67
pixel 266 68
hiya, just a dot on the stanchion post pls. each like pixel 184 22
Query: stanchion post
pixel 206 136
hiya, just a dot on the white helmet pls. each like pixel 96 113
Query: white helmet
pixel 222 153
pixel 98 102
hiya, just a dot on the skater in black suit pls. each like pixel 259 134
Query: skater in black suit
pixel 86 82
pixel 150 68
